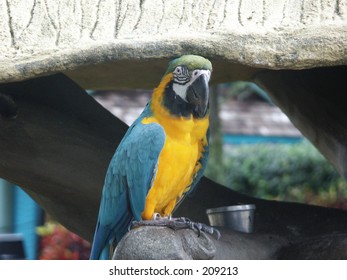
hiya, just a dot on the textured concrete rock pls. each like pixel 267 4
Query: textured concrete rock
pixel 164 243
pixel 98 43
pixel 328 247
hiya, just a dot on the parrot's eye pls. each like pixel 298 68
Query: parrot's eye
pixel 179 70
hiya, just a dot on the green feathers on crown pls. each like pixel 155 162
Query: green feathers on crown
pixel 191 61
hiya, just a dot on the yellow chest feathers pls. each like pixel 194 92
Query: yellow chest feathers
pixel 178 162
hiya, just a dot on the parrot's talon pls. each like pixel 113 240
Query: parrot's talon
pixel 200 227
pixel 218 235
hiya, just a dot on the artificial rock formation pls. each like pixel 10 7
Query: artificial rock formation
pixel 56 141
pixel 110 43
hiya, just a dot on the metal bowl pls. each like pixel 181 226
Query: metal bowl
pixel 236 217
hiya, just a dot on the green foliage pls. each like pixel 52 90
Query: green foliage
pixel 278 171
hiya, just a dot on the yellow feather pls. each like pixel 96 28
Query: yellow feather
pixel 178 160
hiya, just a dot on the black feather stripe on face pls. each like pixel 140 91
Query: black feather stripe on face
pixel 175 104
pixel 181 81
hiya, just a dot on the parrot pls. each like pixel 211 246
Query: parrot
pixel 161 157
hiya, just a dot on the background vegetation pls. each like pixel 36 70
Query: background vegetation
pixel 290 172
pixel 285 172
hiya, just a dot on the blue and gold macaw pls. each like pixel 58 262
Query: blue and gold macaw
pixel 163 154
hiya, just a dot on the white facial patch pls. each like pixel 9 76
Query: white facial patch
pixel 181 90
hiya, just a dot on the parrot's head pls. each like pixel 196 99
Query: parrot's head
pixel 186 90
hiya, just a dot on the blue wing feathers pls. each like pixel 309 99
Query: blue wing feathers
pixel 140 166
pixel 99 242
pixel 128 181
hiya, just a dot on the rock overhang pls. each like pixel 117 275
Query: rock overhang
pixel 109 44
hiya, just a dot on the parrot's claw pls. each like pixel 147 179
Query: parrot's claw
pixel 200 227
pixel 177 224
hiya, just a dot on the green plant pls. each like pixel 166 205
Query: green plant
pixel 295 172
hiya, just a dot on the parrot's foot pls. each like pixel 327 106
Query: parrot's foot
pixel 177 224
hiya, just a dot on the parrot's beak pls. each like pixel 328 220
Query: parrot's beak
pixel 198 94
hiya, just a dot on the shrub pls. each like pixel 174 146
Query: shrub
pixel 293 172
